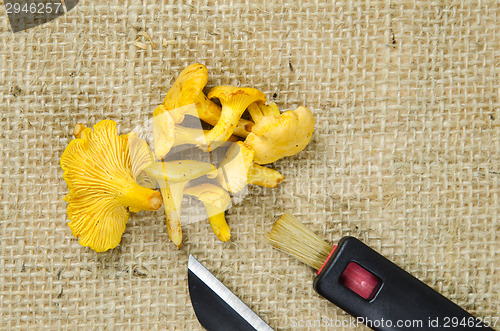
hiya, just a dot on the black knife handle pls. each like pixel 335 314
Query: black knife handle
pixel 399 301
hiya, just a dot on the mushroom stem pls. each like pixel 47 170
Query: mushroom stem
pixel 219 225
pixel 167 133
pixel 216 200
pixel 172 177
pixel 77 131
pixel 233 169
pixel 210 112
pixel 136 197
pixel 258 110
pixel 172 199
pixel 263 176
pixel 255 111
pixel 178 171
pixel 191 136
pixel 235 101
pixel 174 228
pixel 163 135
pixel 223 129
pixel 185 135
pixel 270 110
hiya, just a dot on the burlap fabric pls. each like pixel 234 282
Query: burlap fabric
pixel 406 153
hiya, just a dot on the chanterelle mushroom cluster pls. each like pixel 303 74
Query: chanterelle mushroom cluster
pixel 108 175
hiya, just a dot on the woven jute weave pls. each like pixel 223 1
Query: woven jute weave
pixel 405 156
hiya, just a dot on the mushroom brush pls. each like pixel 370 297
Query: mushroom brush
pixel 367 285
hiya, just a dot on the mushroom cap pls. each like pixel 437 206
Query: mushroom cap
pixel 141 156
pixel 163 132
pixel 234 168
pixel 98 171
pixel 215 198
pixel 234 101
pixel 277 136
pixel 185 90
pixel 236 97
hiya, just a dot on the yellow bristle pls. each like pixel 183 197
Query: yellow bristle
pixel 291 236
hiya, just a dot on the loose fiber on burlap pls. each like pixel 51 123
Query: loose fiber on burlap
pixel 405 156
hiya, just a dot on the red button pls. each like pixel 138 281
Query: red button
pixel 361 281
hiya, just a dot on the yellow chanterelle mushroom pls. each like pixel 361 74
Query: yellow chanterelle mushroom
pixel 109 175
pixel 235 101
pixel 186 97
pixel 167 134
pixel 216 200
pixel 276 135
pixel 263 176
pixel 99 171
pixel 172 177
pixel 238 169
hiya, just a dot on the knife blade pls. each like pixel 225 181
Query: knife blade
pixel 215 306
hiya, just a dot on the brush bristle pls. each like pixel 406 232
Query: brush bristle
pixel 291 236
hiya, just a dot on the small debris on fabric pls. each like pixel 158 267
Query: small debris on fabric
pixel 140 45
pixel 145 35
